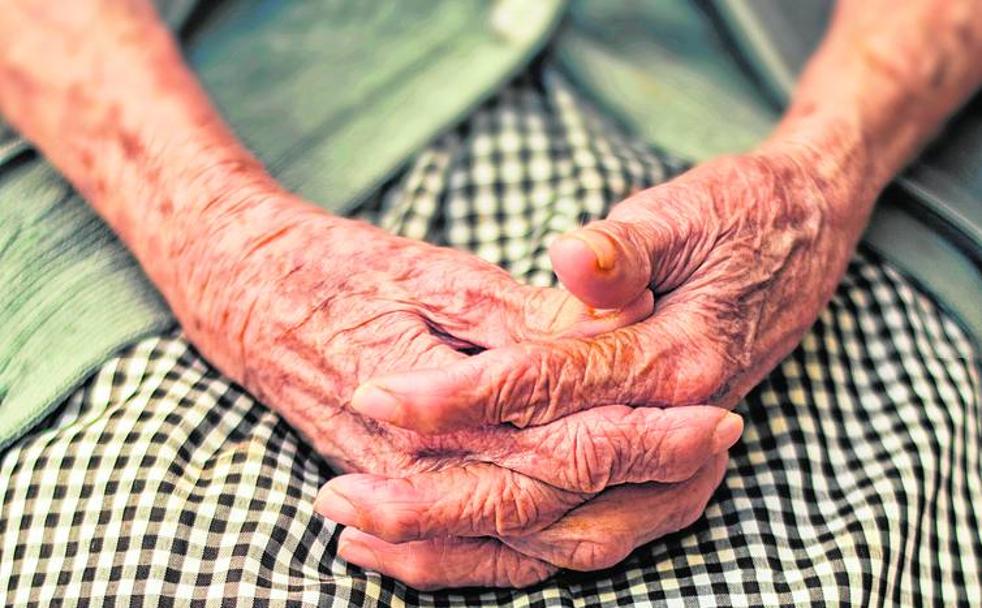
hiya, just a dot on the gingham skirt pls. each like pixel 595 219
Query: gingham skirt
pixel 856 483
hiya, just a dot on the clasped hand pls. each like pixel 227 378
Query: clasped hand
pixel 492 432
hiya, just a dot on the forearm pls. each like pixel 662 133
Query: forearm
pixel 881 84
pixel 101 89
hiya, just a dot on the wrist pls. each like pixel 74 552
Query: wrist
pixel 834 155
pixel 161 219
pixel 218 265
pixel 222 222
pixel 883 81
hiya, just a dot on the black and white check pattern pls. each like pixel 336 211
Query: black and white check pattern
pixel 857 482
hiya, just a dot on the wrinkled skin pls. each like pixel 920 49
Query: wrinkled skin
pixel 596 535
pixel 309 331
pixel 742 253
pixel 300 307
pixel 738 253
pixel 739 257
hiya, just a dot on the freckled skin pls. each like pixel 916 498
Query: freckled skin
pixel 301 308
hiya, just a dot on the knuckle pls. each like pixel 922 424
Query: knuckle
pixel 544 311
pixel 489 508
pixel 517 505
pixel 496 505
pixel 592 461
pixel 679 457
pixel 581 452
pixel 565 374
pixel 525 395
pixel 619 366
pixel 390 519
pixel 673 448
pixel 515 512
pixel 653 435
pixel 521 505
pixel 561 378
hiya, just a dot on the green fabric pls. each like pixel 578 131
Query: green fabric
pixel 663 71
pixel 928 256
pixel 333 96
pixel 72 295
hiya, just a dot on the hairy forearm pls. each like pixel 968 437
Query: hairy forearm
pixel 100 87
pixel 879 87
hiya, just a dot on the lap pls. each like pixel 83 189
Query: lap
pixel 857 481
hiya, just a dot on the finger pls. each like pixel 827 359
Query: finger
pixel 444 562
pixel 544 472
pixel 610 262
pixel 612 445
pixel 664 361
pixel 599 265
pixel 477 499
pixel 516 313
pixel 597 535
pixel 548 313
pixel 605 530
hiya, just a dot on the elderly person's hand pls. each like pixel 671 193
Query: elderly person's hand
pixel 738 254
pixel 597 534
pixel 741 253
pixel 301 307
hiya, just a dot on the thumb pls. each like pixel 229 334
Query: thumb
pixel 610 262
pixel 551 313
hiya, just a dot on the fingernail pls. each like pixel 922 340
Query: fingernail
pixel 357 552
pixel 601 246
pixel 335 506
pixel 727 432
pixel 374 402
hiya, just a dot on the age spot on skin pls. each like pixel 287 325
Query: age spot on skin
pixel 85 157
pixel 132 147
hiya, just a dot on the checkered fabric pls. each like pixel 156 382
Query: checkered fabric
pixel 857 481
